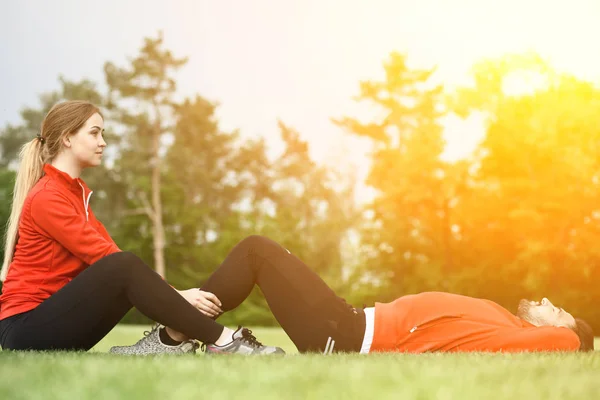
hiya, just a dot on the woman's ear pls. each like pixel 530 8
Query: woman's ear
pixel 66 141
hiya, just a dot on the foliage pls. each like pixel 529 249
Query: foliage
pixel 517 219
pixel 170 161
pixel 410 220
pixel 533 203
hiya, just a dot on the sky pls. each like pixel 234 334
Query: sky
pixel 297 61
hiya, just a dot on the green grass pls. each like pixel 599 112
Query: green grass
pixel 97 375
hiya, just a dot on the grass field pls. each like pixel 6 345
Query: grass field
pixel 97 375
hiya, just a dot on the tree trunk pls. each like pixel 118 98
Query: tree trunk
pixel 157 223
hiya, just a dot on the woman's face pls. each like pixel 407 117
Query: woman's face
pixel 87 144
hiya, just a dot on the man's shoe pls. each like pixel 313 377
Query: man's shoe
pixel 243 343
pixel 151 344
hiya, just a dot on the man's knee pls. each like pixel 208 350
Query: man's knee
pixel 253 241
pixel 262 243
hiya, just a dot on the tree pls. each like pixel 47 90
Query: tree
pixel 200 192
pixel 304 206
pixel 173 170
pixel 409 235
pixel 149 84
pixel 102 179
pixel 13 137
pixel 7 182
pixel 309 208
pixel 534 214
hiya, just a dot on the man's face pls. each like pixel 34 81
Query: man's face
pixel 544 313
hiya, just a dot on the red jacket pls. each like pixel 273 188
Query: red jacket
pixel 435 321
pixel 59 237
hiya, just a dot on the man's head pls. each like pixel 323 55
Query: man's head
pixel 544 313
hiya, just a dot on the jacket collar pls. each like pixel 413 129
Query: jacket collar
pixel 65 180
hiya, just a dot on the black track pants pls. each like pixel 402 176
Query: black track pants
pixel 305 307
pixel 83 311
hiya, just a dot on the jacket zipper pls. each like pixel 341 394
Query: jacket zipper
pixel 432 322
pixel 85 203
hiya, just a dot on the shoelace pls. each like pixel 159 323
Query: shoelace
pixel 249 338
pixel 148 333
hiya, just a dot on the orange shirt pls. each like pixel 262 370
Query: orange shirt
pixel 435 321
pixel 59 237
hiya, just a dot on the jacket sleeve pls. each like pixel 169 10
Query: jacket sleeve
pixel 56 217
pixel 102 229
pixel 544 338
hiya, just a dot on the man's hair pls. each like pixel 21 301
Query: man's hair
pixel 585 334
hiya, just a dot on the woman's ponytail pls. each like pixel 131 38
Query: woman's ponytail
pixel 30 171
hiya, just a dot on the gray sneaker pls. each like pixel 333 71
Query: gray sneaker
pixel 243 343
pixel 151 344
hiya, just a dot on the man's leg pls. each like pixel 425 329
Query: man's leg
pixel 306 308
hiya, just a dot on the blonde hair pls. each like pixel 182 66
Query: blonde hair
pixel 63 119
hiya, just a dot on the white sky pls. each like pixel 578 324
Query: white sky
pixel 300 61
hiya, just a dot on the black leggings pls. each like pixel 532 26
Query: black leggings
pixel 305 307
pixel 82 312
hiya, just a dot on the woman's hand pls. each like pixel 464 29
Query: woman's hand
pixel 206 302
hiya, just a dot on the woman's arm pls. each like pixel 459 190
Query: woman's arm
pixel 56 217
pixel 206 302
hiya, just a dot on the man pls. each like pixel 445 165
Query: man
pixel 447 322
pixel 317 320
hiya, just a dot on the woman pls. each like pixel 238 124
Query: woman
pixel 66 283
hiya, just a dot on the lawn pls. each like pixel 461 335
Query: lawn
pixel 97 375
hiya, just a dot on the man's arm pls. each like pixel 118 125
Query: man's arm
pixel 544 338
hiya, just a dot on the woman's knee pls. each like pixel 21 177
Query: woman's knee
pixel 121 257
pixel 123 263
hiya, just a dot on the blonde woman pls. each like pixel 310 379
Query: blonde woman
pixel 66 282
